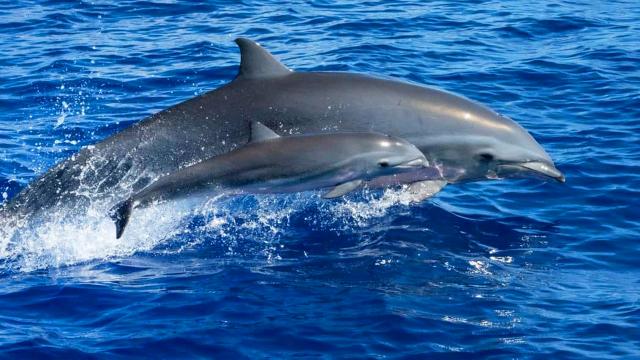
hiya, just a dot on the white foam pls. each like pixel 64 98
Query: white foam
pixel 67 237
pixel 372 206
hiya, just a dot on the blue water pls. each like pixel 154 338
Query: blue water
pixel 508 269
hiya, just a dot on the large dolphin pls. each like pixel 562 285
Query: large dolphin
pixel 273 164
pixel 462 140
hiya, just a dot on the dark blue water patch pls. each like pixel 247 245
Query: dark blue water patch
pixel 502 269
pixel 511 31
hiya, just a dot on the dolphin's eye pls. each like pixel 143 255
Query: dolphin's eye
pixel 486 156
pixel 383 164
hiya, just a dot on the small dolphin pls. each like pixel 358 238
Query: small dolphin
pixel 273 164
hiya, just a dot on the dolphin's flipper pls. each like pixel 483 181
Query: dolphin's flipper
pixel 258 63
pixel 260 132
pixel 120 215
pixel 425 189
pixel 342 189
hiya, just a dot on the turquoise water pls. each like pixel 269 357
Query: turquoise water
pixel 509 269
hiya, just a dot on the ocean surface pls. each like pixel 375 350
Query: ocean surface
pixel 501 269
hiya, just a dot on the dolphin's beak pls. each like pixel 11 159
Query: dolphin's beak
pixel 543 168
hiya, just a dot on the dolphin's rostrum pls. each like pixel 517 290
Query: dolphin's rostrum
pixel 272 164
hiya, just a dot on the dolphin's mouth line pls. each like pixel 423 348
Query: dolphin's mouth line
pixel 415 163
pixel 540 168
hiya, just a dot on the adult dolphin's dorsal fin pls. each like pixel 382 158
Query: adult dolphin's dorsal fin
pixel 260 132
pixel 258 63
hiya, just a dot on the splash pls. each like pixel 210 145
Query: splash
pixel 371 206
pixel 241 224
pixel 70 236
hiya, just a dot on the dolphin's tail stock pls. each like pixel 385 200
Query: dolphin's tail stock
pixel 120 215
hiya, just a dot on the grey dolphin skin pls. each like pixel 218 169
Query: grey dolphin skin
pixel 461 139
pixel 271 164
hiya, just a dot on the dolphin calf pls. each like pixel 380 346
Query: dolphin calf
pixel 272 164
pixel 461 139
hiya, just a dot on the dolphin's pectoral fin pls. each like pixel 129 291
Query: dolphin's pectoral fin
pixel 342 189
pixel 258 63
pixel 120 215
pixel 425 189
pixel 260 132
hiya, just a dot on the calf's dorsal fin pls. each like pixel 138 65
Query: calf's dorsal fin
pixel 260 132
pixel 258 63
